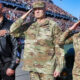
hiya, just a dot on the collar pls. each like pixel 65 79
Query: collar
pixel 41 24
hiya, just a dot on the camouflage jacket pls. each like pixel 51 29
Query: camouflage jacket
pixel 41 53
pixel 75 39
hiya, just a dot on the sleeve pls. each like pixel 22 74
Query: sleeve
pixel 16 25
pixel 14 46
pixel 60 59
pixel 59 52
pixel 18 28
pixel 65 38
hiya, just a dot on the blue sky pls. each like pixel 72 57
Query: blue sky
pixel 71 6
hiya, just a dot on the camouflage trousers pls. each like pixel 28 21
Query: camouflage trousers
pixel 76 77
pixel 40 76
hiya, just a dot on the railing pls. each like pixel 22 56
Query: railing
pixel 60 16
pixel 13 5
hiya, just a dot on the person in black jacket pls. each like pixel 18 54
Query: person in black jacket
pixel 8 50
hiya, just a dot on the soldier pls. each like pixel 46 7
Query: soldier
pixel 41 54
pixel 66 38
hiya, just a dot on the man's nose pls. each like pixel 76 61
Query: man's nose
pixel 37 10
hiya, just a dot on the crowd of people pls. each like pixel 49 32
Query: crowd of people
pixel 13 14
pixel 49 6
pixel 25 1
pixel 64 24
pixel 16 1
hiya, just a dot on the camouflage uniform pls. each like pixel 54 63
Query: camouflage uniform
pixel 40 76
pixel 41 53
pixel 75 39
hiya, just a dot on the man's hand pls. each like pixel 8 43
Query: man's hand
pixel 26 14
pixel 56 74
pixel 3 32
pixel 10 72
pixel 74 26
